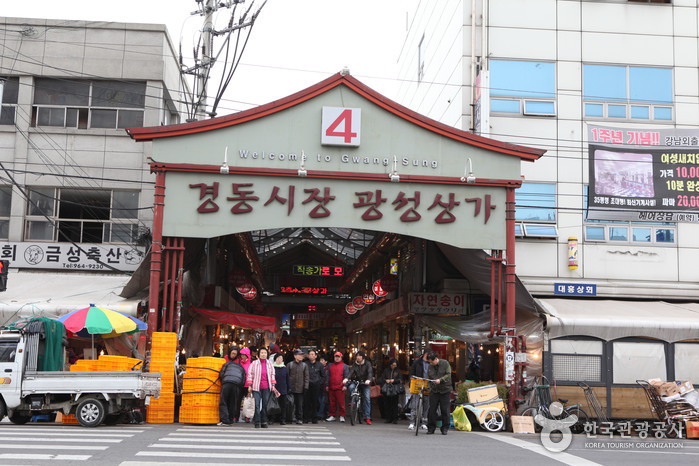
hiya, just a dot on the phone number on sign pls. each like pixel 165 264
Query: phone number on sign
pixel 83 266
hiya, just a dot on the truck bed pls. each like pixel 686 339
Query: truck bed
pixel 138 383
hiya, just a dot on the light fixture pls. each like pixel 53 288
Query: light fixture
pixel 394 175
pixel 224 166
pixel 470 178
pixel 302 168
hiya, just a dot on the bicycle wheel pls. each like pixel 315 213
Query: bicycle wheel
pixel 583 418
pixel 418 414
pixel 532 412
pixel 354 411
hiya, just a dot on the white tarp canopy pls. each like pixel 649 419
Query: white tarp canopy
pixel 54 294
pixel 613 319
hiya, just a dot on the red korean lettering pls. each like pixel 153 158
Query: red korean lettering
pixel 418 299
pixel 337 271
pixel 410 215
pixel 325 270
pixel 643 138
pixel 205 190
pixel 488 206
pixel 320 210
pixel 241 198
pixel 445 216
pixel 276 197
pixel 432 300
pixel 445 300
pixel 370 199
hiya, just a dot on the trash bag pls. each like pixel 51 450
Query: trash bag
pixel 461 421
pixel 249 407
pixel 273 406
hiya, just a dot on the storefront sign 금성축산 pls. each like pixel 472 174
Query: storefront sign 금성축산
pixel 438 303
pixel 67 256
pixel 207 205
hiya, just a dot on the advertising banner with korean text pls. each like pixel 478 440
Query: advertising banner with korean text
pixel 438 303
pixel 643 174
pixel 66 256
pixel 204 205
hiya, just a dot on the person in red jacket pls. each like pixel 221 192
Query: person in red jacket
pixel 338 371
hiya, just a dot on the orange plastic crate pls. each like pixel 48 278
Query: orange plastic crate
pixel 165 397
pixel 198 416
pixel 160 417
pixel 164 340
pixel 201 399
pixel 163 355
pixel 191 384
pixel 69 419
pixel 206 363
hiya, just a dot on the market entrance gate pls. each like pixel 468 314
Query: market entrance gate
pixel 336 154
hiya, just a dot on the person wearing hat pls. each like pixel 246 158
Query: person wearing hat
pixel 361 373
pixel 299 376
pixel 439 374
pixel 281 373
pixel 338 372
pixel 232 377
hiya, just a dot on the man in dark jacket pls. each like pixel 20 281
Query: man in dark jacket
pixel 419 369
pixel 232 377
pixel 316 382
pixel 361 374
pixel 439 374
pixel 299 376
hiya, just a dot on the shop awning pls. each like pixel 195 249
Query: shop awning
pixel 259 323
pixel 612 319
pixel 49 294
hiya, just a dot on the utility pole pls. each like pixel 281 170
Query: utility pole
pixel 206 59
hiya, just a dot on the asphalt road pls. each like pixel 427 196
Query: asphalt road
pixel 321 444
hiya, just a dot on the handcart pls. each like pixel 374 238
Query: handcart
pixel 670 413
pixel 486 408
pixel 593 403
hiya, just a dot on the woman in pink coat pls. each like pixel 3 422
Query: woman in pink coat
pixel 261 382
pixel 245 361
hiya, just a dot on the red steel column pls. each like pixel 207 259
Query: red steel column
pixel 510 290
pixel 156 253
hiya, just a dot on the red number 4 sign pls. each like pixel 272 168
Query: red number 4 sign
pixel 341 126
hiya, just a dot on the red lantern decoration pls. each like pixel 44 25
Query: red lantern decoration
pixel 368 297
pixel 350 309
pixel 389 283
pixel 245 287
pixel 358 303
pixel 250 295
pixel 237 278
pixel 378 290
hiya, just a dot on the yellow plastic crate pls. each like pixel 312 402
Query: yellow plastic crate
pixel 164 339
pixel 200 384
pixel 163 355
pixel 201 399
pixel 165 397
pixel 160 417
pixel 196 415
pixel 206 363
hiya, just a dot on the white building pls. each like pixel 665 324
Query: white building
pixel 74 186
pixel 544 73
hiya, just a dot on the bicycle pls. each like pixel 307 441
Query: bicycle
pixel 355 415
pixel 556 410
pixel 419 386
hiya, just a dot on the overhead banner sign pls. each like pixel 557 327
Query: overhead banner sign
pixel 643 174
pixel 438 303
pixel 67 256
pixel 201 205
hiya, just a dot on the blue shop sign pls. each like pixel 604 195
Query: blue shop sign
pixel 574 289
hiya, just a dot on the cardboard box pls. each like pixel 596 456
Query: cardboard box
pixel 692 429
pixel 484 393
pixel 666 388
pixel 684 387
pixel 523 424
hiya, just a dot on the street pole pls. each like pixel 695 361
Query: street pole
pixel 206 59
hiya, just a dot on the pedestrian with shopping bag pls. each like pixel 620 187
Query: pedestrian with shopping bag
pixel 281 374
pixel 232 377
pixel 299 376
pixel 391 388
pixel 261 378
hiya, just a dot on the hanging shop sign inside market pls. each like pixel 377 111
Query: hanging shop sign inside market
pixel 302 290
pixel 67 256
pixel 643 174
pixel 208 205
pixel 437 303
pixel 318 270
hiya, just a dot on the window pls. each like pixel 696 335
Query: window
pixel 82 216
pixel 628 92
pixel 88 104
pixel 577 360
pixel 522 87
pixel 638 360
pixel 536 202
pixel 8 108
pixel 5 204
pixel 687 361
pixel 7 351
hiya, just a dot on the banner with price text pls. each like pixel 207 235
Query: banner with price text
pixel 643 174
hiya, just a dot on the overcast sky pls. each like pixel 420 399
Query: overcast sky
pixel 294 44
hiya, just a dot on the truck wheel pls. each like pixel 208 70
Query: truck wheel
pixel 90 412
pixel 19 419
pixel 3 409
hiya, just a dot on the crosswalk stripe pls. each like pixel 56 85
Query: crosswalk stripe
pixel 72 439
pixel 250 456
pixel 18 456
pixel 37 446
pixel 257 432
pixel 198 463
pixel 245 447
pixel 248 441
pixel 61 434
pixel 73 430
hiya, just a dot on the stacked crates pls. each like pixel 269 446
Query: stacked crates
pixel 201 391
pixel 162 359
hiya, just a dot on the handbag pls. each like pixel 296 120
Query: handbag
pixel 249 407
pixel 374 391
pixel 273 407
pixel 289 407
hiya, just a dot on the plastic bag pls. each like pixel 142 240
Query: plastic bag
pixel 273 406
pixel 249 407
pixel 461 421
